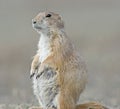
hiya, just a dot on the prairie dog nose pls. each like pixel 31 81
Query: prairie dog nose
pixel 34 22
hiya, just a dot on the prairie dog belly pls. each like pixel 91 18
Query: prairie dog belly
pixel 46 88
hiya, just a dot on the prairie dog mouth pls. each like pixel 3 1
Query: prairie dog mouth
pixel 37 27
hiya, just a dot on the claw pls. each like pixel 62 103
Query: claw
pixel 32 75
pixel 39 75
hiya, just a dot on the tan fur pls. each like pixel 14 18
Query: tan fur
pixel 35 63
pixel 91 105
pixel 64 59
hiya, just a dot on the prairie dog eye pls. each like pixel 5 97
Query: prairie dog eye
pixel 48 15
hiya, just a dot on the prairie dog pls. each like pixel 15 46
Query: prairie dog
pixel 58 72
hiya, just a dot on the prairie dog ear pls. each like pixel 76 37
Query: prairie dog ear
pixel 60 22
pixel 60 17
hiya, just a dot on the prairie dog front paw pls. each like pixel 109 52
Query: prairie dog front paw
pixel 33 71
pixel 34 66
pixel 40 71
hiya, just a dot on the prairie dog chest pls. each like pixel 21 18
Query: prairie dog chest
pixel 44 47
pixel 46 88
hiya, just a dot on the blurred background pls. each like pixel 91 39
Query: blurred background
pixel 92 25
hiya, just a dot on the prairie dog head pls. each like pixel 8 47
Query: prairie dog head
pixel 45 21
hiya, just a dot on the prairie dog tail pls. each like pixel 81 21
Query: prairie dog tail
pixel 91 105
